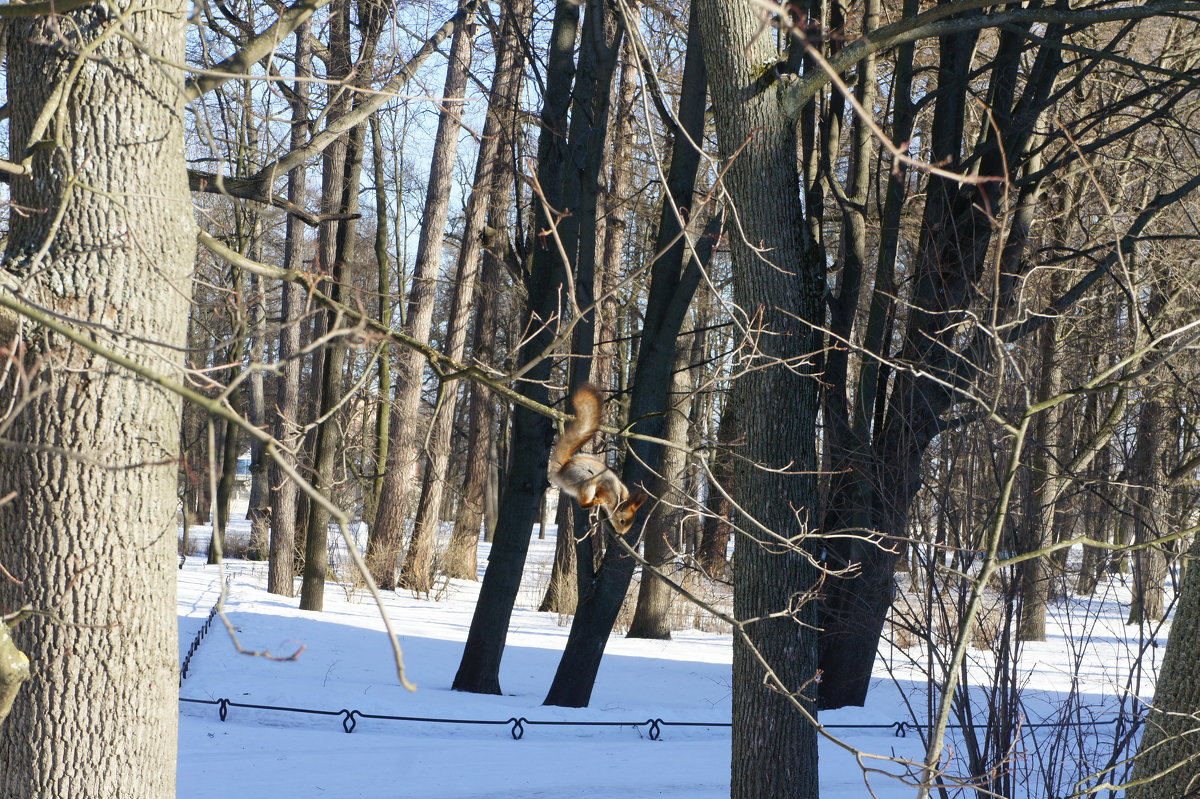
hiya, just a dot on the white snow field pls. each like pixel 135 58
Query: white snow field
pixel 343 661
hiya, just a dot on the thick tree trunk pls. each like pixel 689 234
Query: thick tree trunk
pixel 1166 758
pixel 774 745
pixel 93 537
pixel 407 428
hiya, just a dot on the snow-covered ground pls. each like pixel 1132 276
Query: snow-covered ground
pixel 344 662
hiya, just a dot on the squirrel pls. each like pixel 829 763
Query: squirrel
pixel 586 477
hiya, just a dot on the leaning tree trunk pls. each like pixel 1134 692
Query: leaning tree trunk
pixel 387 532
pixel 479 668
pixel 674 277
pixel 93 537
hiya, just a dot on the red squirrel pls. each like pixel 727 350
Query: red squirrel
pixel 586 477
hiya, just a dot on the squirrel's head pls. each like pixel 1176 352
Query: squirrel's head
pixel 622 517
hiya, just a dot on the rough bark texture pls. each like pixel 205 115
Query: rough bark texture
pixel 93 538
pixel 774 746
pixel 281 569
pixel 407 430
pixel 1167 754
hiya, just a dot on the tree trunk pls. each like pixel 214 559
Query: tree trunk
pixel 777 279
pixel 674 277
pixel 92 537
pixel 1148 509
pixel 281 570
pixel 664 523
pixel 561 592
pixel 461 557
pixel 383 416
pixel 258 510
pixel 387 533
pixel 229 458
pixel 713 555
pixel 1035 575
pixel 479 669
pixel 1166 757
pixel 340 186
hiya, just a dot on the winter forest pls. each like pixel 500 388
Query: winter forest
pixel 784 370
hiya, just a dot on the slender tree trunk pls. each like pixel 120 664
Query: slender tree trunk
pixel 281 570
pixel 407 430
pixel 340 184
pixel 1148 509
pixel 561 592
pixel 1035 575
pixel 479 669
pixel 461 557
pixel 258 510
pixel 383 416
pixel 664 524
pixel 93 536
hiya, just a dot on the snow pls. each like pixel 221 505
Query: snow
pixel 342 661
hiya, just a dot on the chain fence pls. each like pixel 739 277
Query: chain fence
pixel 516 725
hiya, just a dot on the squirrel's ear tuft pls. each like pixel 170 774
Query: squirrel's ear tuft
pixel 636 501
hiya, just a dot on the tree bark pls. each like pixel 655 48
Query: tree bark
pixel 664 523
pixel 1166 759
pixel 674 277
pixel 93 538
pixel 281 569
pixel 387 533
pixel 479 668
pixel 777 279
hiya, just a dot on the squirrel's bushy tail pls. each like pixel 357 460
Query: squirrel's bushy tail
pixel 586 402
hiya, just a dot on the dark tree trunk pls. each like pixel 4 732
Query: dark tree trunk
pixel 774 745
pixel 877 486
pixel 479 669
pixel 674 277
